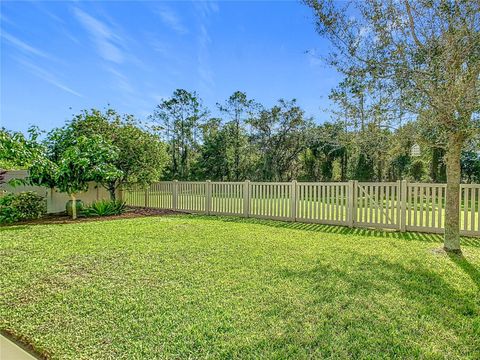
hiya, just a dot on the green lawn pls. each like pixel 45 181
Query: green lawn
pixel 207 287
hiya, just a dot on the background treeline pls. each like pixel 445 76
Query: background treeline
pixel 363 141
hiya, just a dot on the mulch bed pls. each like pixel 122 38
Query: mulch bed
pixel 132 212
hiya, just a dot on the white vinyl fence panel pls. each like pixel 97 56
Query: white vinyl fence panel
pixel 388 205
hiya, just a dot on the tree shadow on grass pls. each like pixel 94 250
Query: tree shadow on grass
pixel 472 271
pixel 360 297
pixel 343 230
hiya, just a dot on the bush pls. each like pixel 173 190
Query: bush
pixel 22 206
pixel 104 208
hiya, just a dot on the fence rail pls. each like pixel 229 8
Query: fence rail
pixel 397 205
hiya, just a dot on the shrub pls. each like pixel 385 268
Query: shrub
pixel 104 208
pixel 22 206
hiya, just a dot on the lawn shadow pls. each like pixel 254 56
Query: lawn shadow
pixel 469 269
pixel 362 286
pixel 343 230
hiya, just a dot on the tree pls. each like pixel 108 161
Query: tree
pixel 71 162
pixel 471 161
pixel 215 158
pixel 280 135
pixel 429 52
pixel 180 118
pixel 141 155
pixel 239 109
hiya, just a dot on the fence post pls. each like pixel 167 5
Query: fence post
pixel 352 209
pixel 208 197
pixel 174 194
pixel 293 200
pixel 403 205
pixel 146 196
pixel 246 198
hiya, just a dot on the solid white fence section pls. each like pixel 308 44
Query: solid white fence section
pixel 55 200
pixel 389 205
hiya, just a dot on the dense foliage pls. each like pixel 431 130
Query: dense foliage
pixel 22 206
pixel 18 151
pixel 71 162
pixel 140 156
pixel 246 140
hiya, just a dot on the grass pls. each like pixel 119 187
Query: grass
pixel 207 287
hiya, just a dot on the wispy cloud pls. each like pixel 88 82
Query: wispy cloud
pixel 204 69
pixel 204 10
pixel 171 19
pixel 122 83
pixel 48 77
pixel 107 42
pixel 23 46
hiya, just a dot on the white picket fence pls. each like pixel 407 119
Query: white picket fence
pixel 389 205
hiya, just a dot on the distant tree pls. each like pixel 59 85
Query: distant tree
pixel 326 144
pixel 417 170
pixel 428 51
pixel 364 170
pixel 280 135
pixel 238 109
pixel 471 161
pixel 214 157
pixel 180 118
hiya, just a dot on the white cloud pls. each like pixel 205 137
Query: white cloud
pixel 107 42
pixel 170 19
pixel 23 46
pixel 48 77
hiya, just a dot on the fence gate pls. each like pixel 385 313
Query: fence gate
pixel 377 205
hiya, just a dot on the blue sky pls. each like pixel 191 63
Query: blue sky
pixel 60 57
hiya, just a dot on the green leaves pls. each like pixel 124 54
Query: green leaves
pixel 104 147
pixel 104 208
pixel 22 206
pixel 18 151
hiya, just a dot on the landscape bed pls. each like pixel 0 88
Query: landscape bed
pixel 190 286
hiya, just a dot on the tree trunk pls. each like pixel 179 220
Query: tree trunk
pixel 452 203
pixel 112 192
pixel 74 206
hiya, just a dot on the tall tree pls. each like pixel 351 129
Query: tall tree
pixel 180 118
pixel 214 161
pixel 430 51
pixel 280 134
pixel 238 108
